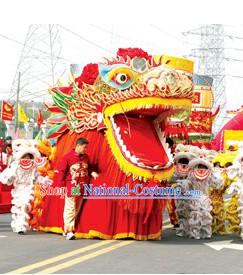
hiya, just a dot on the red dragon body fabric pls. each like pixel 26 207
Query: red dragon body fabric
pixel 121 106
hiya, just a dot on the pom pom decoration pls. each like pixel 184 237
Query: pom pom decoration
pixel 133 52
pixel 89 74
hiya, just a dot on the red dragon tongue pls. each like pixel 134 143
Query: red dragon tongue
pixel 139 141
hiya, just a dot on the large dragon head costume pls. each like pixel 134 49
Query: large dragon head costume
pixel 128 99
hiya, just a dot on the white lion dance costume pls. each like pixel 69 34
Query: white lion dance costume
pixel 183 155
pixel 22 174
pixel 194 214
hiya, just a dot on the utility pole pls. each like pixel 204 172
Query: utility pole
pixel 41 63
pixel 210 60
pixel 33 110
pixel 17 103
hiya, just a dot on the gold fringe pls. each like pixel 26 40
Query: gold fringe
pixel 96 234
pixel 53 229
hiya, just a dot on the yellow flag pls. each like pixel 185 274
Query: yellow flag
pixel 22 115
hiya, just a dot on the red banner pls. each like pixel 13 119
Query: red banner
pixel 7 111
pixel 200 122
pixel 40 118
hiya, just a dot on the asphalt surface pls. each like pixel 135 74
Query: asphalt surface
pixel 170 255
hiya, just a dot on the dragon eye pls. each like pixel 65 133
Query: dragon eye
pixel 117 76
pixel 121 78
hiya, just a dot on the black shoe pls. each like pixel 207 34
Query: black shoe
pixel 21 233
pixel 176 226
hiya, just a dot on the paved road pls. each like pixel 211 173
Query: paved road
pixel 37 252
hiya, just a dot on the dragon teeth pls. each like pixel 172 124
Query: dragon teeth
pixel 127 154
pixel 141 164
pixel 165 145
pixel 124 148
pixel 117 130
pixel 134 159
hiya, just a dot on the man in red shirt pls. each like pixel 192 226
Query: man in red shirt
pixel 74 171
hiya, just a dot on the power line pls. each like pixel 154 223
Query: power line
pixel 208 34
pixel 236 76
pixel 115 34
pixel 32 48
pixel 36 96
pixel 159 29
pixel 86 40
pixel 167 33
pixel 233 59
pixel 109 32
pixel 43 69
pixel 210 48
pixel 225 58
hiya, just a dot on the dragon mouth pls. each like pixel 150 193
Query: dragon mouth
pixel 135 131
pixel 141 140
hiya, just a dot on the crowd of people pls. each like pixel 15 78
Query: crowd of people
pixel 27 163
